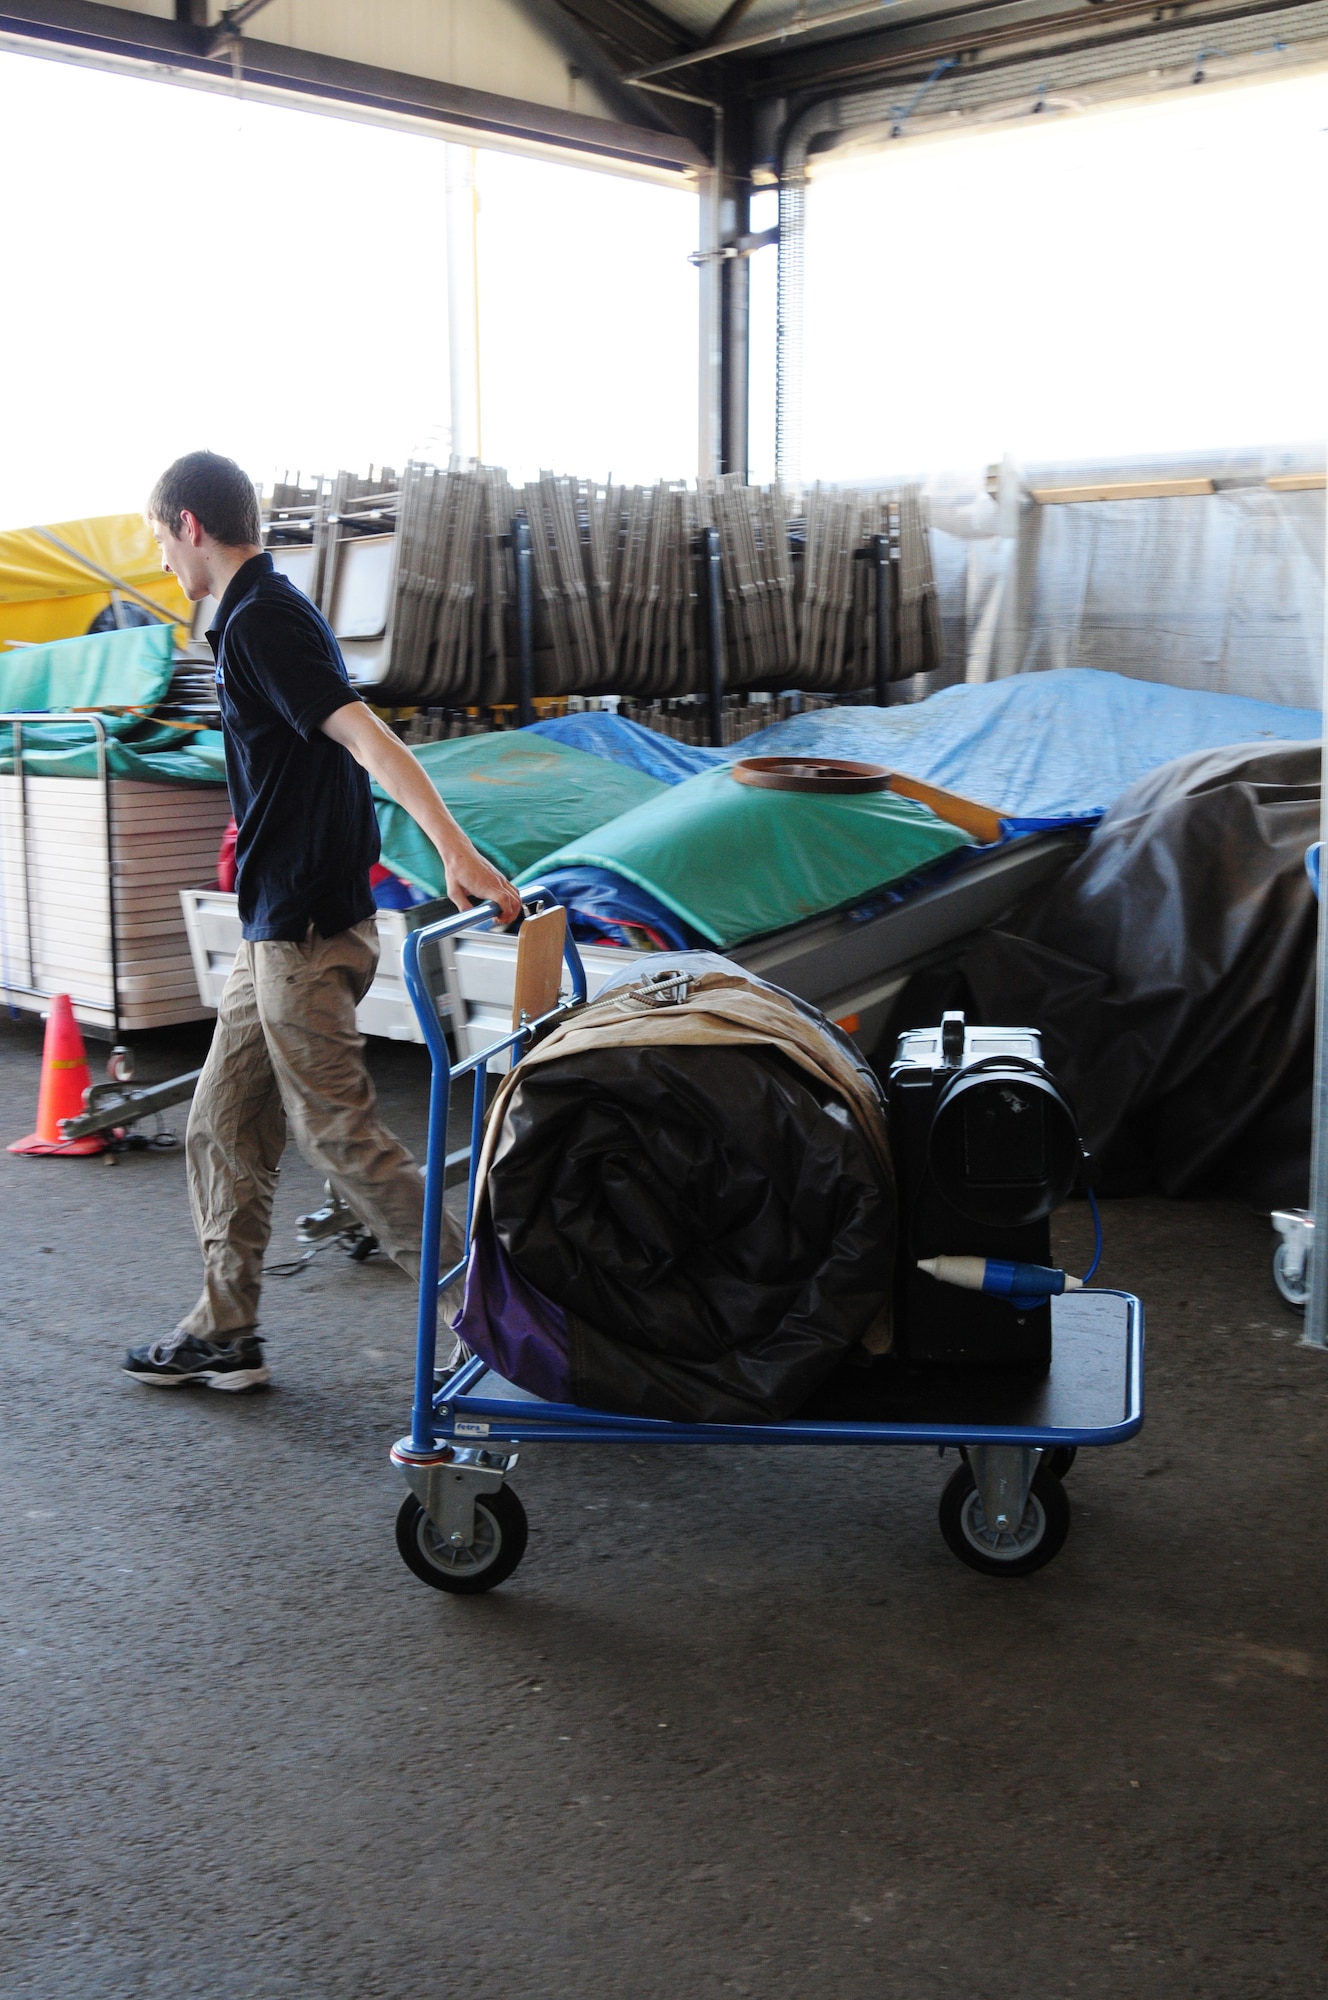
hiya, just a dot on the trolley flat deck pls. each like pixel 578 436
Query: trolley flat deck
pixel 1092 1395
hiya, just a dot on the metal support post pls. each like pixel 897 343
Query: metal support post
pixel 524 557
pixel 710 397
pixel 463 311
pixel 21 773
pixel 735 285
pixel 880 546
pixel 714 578
pixel 735 352
pixel 103 773
pixel 1316 1314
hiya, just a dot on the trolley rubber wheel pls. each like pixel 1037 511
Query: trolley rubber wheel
pixel 1296 1291
pixel 1041 1534
pixel 499 1544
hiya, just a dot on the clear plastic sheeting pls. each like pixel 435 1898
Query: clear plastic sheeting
pixel 1220 589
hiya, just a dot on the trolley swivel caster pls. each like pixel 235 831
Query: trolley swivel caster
pixel 1291 1259
pixel 1004 1510
pixel 459 1528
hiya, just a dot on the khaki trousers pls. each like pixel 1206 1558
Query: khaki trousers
pixel 287 1056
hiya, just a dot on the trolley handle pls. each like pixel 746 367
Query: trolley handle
pixel 432 1279
pixel 482 914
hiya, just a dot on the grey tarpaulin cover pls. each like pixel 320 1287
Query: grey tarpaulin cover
pixel 687 1208
pixel 1171 973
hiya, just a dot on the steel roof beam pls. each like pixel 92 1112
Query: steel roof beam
pixel 727 22
pixel 631 32
pixel 587 57
pixel 124 36
pixel 232 19
pixel 800 24
pixel 981 36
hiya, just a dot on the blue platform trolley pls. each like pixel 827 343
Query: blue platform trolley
pixel 1003 1512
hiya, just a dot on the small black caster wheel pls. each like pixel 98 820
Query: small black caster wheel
pixel 1058 1460
pixel 499 1544
pixel 1040 1535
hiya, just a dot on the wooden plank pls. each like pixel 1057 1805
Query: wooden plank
pixel 1129 489
pixel 539 964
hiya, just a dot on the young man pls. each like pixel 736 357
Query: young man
pixel 300 749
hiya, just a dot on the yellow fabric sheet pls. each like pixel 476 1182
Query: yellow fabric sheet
pixel 46 594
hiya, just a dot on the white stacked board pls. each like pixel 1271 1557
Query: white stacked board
pixel 212 919
pixel 55 932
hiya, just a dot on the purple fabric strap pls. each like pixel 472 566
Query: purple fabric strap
pixel 515 1329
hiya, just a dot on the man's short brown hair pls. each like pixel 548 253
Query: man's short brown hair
pixel 217 492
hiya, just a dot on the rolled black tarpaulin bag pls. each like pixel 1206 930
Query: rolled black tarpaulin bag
pixel 687 1209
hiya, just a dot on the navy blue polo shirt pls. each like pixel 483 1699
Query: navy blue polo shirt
pixel 307 835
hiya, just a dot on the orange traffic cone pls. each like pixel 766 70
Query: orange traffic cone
pixel 64 1078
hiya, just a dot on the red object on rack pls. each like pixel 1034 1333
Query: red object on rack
pixel 226 858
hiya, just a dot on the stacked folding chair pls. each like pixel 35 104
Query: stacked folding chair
pixel 618 590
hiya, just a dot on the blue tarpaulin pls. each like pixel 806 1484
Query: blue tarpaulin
pixel 1045 750
pixel 600 734
pixel 600 903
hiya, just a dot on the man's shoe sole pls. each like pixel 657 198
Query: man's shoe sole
pixel 231 1380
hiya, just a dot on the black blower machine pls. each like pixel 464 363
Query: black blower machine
pixel 985 1148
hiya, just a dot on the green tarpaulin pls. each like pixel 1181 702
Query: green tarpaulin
pixel 734 861
pixel 129 669
pixel 516 795
pixel 134 749
pixel 106 671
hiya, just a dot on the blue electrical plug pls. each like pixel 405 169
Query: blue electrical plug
pixel 1024 1285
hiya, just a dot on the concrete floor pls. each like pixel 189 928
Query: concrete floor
pixel 739 1725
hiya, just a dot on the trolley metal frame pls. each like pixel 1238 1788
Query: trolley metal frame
pixel 466 1433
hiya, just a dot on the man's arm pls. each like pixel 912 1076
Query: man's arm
pixel 470 878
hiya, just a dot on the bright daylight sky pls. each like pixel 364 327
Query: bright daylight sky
pixel 1134 281
pixel 186 268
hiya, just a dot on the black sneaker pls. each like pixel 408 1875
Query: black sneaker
pixel 182 1357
